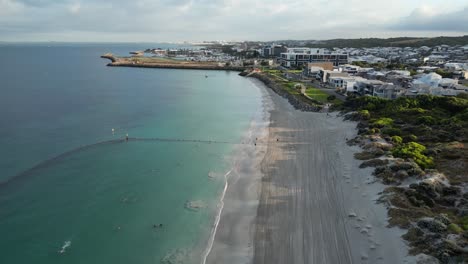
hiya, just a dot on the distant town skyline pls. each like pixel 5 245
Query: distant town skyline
pixel 229 20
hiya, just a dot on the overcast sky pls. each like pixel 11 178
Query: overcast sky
pixel 197 20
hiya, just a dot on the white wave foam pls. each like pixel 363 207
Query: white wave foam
pixel 65 246
pixel 218 218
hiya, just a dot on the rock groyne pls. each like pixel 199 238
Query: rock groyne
pixel 176 66
pixel 148 62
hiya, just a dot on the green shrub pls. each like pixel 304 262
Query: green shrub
pixel 382 122
pixel 455 229
pixel 411 111
pixel 331 98
pixel 364 114
pixel 463 116
pixel 426 120
pixel 366 102
pixel 464 223
pixel 397 139
pixel 391 131
pixel 413 150
pixel 370 106
pixel 409 138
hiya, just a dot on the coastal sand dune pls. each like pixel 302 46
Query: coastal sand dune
pixel 313 203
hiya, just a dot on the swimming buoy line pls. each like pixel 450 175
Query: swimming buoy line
pixel 53 160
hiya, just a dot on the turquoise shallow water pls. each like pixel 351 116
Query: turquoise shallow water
pixel 105 198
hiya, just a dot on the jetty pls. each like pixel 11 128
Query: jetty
pixel 109 56
pixel 168 63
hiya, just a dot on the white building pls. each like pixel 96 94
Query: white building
pixel 298 57
pixel 325 75
pixel 345 84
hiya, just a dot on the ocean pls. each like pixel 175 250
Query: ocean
pixel 72 190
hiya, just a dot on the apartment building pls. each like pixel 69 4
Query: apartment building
pixel 272 50
pixel 299 57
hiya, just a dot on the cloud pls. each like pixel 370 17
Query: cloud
pixel 428 19
pixel 178 20
pixel 75 8
pixel 36 3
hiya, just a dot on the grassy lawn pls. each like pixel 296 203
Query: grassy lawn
pixel 317 94
pixel 320 96
pixel 290 88
pixel 277 76
pixel 295 71
pixel 314 93
pixel 266 70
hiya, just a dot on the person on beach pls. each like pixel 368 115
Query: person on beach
pixel 126 137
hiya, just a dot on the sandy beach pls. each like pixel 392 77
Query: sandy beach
pixel 299 196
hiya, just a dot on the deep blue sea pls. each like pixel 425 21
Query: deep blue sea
pixel 72 190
